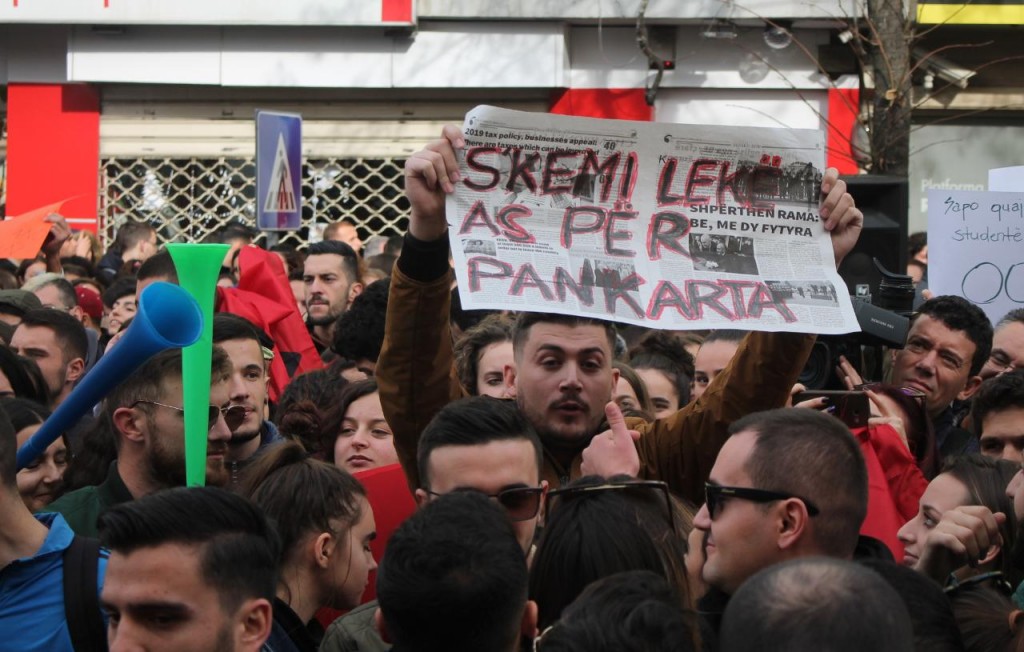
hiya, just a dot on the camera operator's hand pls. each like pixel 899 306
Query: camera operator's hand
pixel 843 220
pixel 850 376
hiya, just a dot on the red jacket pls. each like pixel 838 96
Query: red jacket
pixel 895 485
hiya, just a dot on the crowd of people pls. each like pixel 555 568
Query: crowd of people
pixel 387 471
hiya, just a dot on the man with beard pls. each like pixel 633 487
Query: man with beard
pixel 245 345
pixel 190 569
pixel 331 276
pixel 149 431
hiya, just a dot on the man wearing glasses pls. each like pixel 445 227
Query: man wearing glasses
pixel 479 445
pixel 149 430
pixel 787 484
pixel 1007 346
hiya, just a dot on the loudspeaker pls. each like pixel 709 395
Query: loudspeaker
pixel 884 202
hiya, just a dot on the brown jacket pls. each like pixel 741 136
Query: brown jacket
pixel 416 376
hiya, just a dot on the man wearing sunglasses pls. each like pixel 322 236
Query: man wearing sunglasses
pixel 479 445
pixel 245 343
pixel 149 432
pixel 563 376
pixel 787 484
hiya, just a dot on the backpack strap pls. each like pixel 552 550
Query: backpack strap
pixel 81 599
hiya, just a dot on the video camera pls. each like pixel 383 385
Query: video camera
pixel 883 323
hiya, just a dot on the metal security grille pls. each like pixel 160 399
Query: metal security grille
pixel 187 199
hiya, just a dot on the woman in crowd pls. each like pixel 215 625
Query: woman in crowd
pixel 929 539
pixel 326 524
pixel 714 355
pixel 120 305
pixel 631 393
pixel 356 437
pixel 576 549
pixel 481 355
pixel 39 483
pixel 666 368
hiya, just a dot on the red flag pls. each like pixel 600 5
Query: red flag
pixel 265 298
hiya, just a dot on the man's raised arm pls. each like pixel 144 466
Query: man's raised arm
pixel 415 371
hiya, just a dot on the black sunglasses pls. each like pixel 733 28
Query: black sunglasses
pixel 233 416
pixel 645 486
pixel 520 503
pixel 715 494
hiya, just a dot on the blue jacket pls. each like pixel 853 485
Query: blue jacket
pixel 32 594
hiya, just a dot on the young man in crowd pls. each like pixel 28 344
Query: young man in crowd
pixel 480 444
pixel 787 484
pixel 190 569
pixel 344 231
pixel 563 375
pixel 58 344
pixel 134 244
pixel 453 580
pixel 998 416
pixel 1007 346
pixel 149 430
pixel 331 275
pixel 56 292
pixel 249 379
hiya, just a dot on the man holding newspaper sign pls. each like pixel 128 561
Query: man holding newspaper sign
pixel 563 377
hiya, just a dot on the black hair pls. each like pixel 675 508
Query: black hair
pixel 989 621
pixel 453 578
pixel 725 335
pixel 632 611
pixel 474 421
pixel 122 287
pixel 159 265
pixel 8 453
pixel 234 230
pixel 664 352
pixel 916 242
pixel 462 318
pixel 350 259
pixel 24 376
pixel 919 428
pixel 812 455
pixel 238 549
pixel 526 320
pixel 359 331
pixel 959 314
pixel 301 495
pixel 996 394
pixel 70 333
pixel 229 326
pixel 931 615
pixel 575 548
pixel 78 264
pixel 816 604
pixel 24 413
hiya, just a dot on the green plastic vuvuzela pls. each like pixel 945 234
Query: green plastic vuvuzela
pixel 198 267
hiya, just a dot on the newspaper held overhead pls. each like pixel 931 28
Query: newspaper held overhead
pixel 667 226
